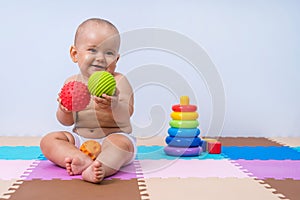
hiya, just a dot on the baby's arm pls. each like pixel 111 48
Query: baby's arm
pixel 63 115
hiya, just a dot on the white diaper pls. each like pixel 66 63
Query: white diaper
pixel 79 140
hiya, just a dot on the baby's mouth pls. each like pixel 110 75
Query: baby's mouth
pixel 99 67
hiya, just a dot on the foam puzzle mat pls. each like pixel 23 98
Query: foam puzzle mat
pixel 247 168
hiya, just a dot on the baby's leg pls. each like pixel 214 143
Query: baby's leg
pixel 117 150
pixel 59 148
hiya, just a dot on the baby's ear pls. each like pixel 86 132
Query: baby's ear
pixel 118 57
pixel 73 54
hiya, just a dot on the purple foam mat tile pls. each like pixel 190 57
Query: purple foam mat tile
pixel 277 169
pixel 46 170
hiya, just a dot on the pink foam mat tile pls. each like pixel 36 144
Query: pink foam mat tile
pixel 46 170
pixel 277 169
pixel 14 169
pixel 190 168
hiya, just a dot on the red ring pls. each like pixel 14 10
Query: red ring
pixel 184 108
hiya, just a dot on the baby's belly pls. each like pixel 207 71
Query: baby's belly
pixel 86 118
pixel 95 133
pixel 88 126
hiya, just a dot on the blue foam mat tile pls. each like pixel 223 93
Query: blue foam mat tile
pixel 261 153
pixel 41 157
pixel 297 148
pixel 157 153
pixel 20 153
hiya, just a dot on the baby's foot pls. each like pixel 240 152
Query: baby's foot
pixel 94 173
pixel 76 166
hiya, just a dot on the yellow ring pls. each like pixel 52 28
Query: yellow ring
pixel 184 115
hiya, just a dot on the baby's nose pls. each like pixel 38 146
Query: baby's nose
pixel 100 56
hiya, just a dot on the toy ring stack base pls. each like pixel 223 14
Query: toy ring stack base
pixel 182 151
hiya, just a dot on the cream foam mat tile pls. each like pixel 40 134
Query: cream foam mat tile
pixel 19 141
pixel 5 187
pixel 287 141
pixel 208 188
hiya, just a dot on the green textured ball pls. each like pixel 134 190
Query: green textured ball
pixel 102 82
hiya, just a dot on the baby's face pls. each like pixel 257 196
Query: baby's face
pixel 97 50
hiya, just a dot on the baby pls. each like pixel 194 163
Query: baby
pixel 105 120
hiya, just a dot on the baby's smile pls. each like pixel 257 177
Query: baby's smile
pixel 99 67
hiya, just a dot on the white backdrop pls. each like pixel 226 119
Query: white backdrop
pixel 255 46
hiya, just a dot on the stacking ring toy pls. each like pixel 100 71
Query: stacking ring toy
pixel 184 105
pixel 184 115
pixel 183 141
pixel 179 151
pixel 184 132
pixel 184 108
pixel 184 124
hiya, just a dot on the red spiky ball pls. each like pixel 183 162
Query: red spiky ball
pixel 75 96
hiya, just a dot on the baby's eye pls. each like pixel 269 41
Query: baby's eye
pixel 110 53
pixel 92 50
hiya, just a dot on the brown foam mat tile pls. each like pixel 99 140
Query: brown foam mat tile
pixel 287 141
pixel 208 188
pixel 290 188
pixel 76 189
pixel 247 141
pixel 19 141
pixel 226 141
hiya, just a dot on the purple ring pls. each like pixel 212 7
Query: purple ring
pixel 181 151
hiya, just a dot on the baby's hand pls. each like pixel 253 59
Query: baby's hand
pixel 106 101
pixel 64 109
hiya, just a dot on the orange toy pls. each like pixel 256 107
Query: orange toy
pixel 91 148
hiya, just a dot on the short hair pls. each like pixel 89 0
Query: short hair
pixel 97 21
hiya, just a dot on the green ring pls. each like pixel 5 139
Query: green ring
pixel 184 123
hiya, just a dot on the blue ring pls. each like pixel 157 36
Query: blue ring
pixel 183 141
pixel 184 132
pixel 183 152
